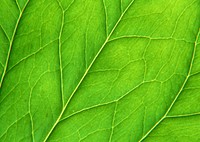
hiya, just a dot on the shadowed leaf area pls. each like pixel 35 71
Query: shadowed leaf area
pixel 100 71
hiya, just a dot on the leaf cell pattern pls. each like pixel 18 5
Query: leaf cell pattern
pixel 103 70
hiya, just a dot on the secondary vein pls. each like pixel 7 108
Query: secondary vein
pixel 60 52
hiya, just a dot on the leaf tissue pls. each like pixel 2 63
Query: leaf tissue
pixel 100 70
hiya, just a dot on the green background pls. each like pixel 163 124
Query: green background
pixel 100 70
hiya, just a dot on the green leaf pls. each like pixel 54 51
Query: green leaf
pixel 100 70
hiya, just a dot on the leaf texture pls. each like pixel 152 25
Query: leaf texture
pixel 102 70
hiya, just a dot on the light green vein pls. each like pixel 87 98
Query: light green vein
pixel 60 52
pixel 86 72
pixel 179 92
pixel 11 43
pixel 113 122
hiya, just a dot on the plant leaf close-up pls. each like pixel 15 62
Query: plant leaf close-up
pixel 100 70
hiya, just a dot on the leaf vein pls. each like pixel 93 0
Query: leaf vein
pixel 11 42
pixel 86 72
pixel 179 92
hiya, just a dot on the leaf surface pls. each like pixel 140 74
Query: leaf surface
pixel 102 70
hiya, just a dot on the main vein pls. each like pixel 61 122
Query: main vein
pixel 86 72
pixel 179 92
